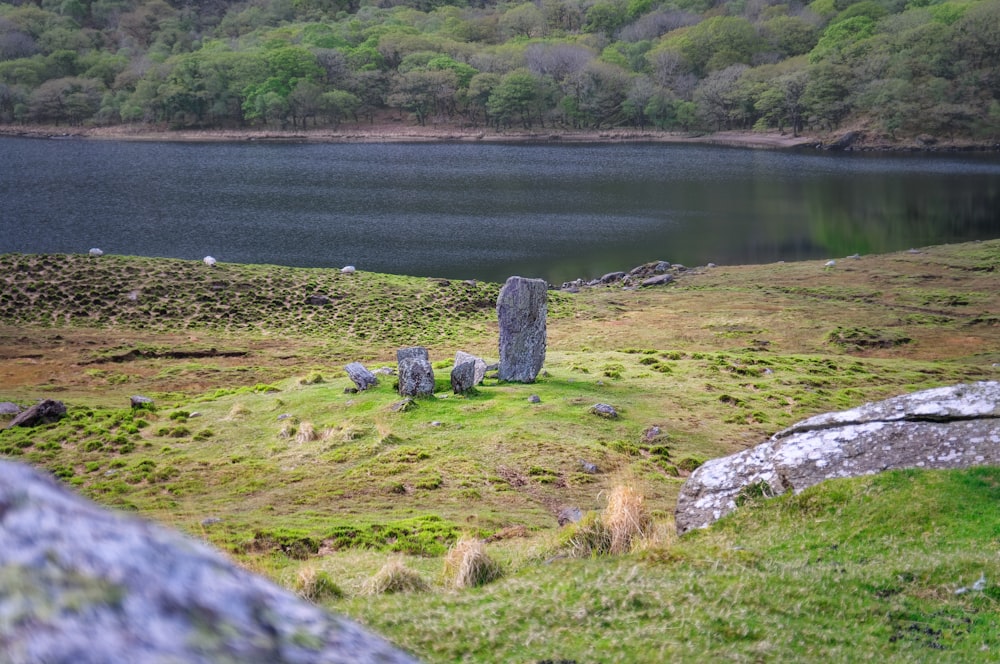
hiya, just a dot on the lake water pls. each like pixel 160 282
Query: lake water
pixel 485 211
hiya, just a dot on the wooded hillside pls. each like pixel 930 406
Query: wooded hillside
pixel 899 68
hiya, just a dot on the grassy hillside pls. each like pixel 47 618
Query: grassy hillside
pixel 255 446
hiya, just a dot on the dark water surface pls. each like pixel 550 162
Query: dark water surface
pixel 481 210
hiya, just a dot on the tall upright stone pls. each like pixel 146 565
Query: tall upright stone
pixel 521 310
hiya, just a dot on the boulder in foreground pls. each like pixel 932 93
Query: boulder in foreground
pixel 82 584
pixel 946 427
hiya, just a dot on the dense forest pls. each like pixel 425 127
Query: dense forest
pixel 900 68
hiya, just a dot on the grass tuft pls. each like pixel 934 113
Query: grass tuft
pixel 316 585
pixel 467 564
pixel 394 577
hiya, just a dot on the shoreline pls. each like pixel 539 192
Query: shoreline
pixel 397 132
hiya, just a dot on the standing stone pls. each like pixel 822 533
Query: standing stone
pixel 461 357
pixel 521 310
pixel 361 376
pixel 463 377
pixel 416 377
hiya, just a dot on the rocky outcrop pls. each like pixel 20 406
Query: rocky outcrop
pixel 947 427
pixel 43 412
pixel 81 584
pixel 522 307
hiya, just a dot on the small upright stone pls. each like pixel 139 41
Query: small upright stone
pixel 361 376
pixel 521 310
pixel 96 253
pixel 416 377
pixel 462 357
pixel 463 377
pixel 604 410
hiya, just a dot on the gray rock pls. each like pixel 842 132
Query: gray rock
pixel 463 377
pixel 412 351
pixel 947 427
pixel 534 398
pixel 348 269
pixel 402 406
pixel 521 310
pixel 95 252
pixel 416 377
pixel 44 412
pixel 661 267
pixel 138 401
pixel 569 515
pixel 317 300
pixel 612 277
pixel 461 357
pixel 588 467
pixel 9 408
pixel 604 410
pixel 360 376
pixel 658 280
pixel 209 261
pixel 82 584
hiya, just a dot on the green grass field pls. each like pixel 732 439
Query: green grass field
pixel 255 446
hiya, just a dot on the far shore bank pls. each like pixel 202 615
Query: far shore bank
pixel 403 133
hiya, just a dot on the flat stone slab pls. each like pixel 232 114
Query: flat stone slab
pixel 948 427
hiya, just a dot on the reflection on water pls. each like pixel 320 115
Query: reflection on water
pixel 485 211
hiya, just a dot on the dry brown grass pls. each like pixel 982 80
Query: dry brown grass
pixel 626 519
pixel 315 585
pixel 394 577
pixel 307 433
pixel 467 564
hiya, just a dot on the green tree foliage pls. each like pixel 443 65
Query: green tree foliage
pixel 898 68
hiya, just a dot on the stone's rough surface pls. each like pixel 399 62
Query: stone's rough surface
pixel 416 377
pixel 209 261
pixel 95 252
pixel 612 277
pixel 81 584
pixel 463 377
pixel 521 310
pixel 317 300
pixel 947 427
pixel 412 351
pixel 44 412
pixel 361 376
pixel 461 357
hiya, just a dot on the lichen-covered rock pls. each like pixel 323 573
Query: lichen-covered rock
pixel 463 377
pixel 412 351
pixel 360 376
pixel 607 411
pixel 521 310
pixel 416 377
pixel 9 408
pixel 947 427
pixel 43 412
pixel 81 584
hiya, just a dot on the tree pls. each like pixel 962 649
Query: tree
pixel 422 92
pixel 718 96
pixel 69 99
pixel 524 20
pixel 515 99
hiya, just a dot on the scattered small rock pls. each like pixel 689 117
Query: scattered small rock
pixel 318 300
pixel 209 261
pixel 194 415
pixel 210 521
pixel 360 376
pixel 138 401
pixel 569 515
pixel 658 280
pixel 95 252
pixel 534 398
pixel 402 406
pixel 830 263
pixel 661 267
pixel 612 277
pixel 44 412
pixel 348 269
pixel 9 408
pixel 604 410
pixel 284 416
pixel 588 467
